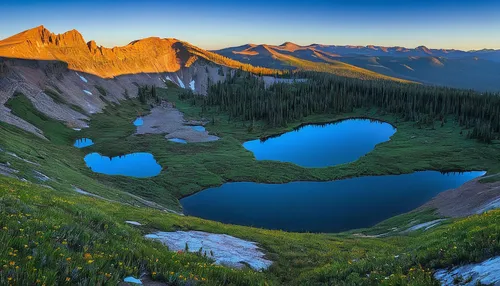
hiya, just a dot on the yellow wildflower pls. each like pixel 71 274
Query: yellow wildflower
pixel 68 279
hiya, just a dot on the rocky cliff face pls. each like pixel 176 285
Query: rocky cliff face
pixel 39 64
pixel 150 55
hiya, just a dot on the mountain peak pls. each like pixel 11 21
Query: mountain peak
pixel 43 36
pixel 289 46
pixel 423 49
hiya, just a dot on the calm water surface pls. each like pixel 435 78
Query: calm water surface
pixel 140 165
pixel 83 142
pixel 178 140
pixel 138 121
pixel 198 128
pixel 323 145
pixel 321 206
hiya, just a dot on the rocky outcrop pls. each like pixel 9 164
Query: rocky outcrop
pixel 224 249
pixel 471 198
pixel 483 273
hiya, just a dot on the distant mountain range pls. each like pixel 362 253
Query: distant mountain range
pixel 149 55
pixel 464 69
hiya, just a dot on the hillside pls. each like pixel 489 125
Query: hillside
pixel 478 70
pixel 292 56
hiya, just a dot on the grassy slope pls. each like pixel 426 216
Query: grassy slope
pixel 300 258
pixel 40 228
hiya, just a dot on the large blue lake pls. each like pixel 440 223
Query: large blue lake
pixel 323 145
pixel 139 165
pixel 321 206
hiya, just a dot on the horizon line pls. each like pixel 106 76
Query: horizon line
pixel 260 44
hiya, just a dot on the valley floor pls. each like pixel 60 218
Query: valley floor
pixel 38 229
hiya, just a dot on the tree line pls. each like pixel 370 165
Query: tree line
pixel 244 96
pixel 146 93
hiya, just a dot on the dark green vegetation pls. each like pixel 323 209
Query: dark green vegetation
pixel 145 93
pixel 44 227
pixel 101 90
pixel 55 131
pixel 245 97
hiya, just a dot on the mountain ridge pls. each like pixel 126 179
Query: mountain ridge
pixel 147 55
pixel 155 55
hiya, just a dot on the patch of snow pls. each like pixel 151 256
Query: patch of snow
pixel 133 222
pixel 22 159
pixel 425 225
pixel 82 78
pixel 87 92
pixel 191 85
pixel 408 67
pixel 486 272
pixel 80 191
pixel 40 176
pixel 77 129
pixel 224 249
pixel 495 204
pixel 131 279
pixel 6 170
pixel 181 84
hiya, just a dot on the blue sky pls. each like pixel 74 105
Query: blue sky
pixel 221 23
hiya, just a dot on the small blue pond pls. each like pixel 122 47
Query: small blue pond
pixel 82 143
pixel 139 165
pixel 138 121
pixel 321 206
pixel 198 128
pixel 321 145
pixel 178 140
